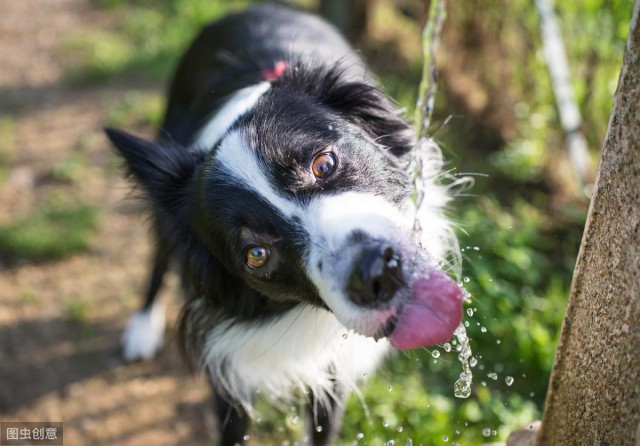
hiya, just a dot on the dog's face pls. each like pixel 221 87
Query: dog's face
pixel 300 201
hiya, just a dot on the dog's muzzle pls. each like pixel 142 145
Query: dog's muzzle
pixel 374 276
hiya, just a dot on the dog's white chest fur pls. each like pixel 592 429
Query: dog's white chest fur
pixel 304 348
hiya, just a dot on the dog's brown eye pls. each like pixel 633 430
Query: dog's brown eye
pixel 257 257
pixel 323 164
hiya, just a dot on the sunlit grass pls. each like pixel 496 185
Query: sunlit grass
pixel 7 144
pixel 145 44
pixel 53 231
pixel 137 109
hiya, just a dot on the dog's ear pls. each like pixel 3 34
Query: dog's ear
pixel 368 107
pixel 163 170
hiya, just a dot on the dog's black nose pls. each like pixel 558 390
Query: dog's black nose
pixel 376 276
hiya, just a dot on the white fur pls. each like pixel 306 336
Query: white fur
pixel 144 333
pixel 436 232
pixel 330 221
pixel 241 163
pixel 238 104
pixel 294 350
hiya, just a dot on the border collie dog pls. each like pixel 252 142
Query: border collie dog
pixel 279 182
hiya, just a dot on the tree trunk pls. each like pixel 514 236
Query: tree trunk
pixel 594 392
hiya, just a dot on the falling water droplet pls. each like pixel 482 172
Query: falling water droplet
pixel 470 311
pixel 390 443
pixel 466 280
pixel 445 438
pixel 345 336
pixel 483 329
pixel 400 429
pixel 473 361
pixel 486 431
pixel 446 347
pixel 385 423
pixel 435 354
pixel 509 380
pixel 390 388
pixel 462 387
pixel 492 375
pixel 359 435
pixel 245 438
pixel 318 428
pixel 409 442
pixel 494 432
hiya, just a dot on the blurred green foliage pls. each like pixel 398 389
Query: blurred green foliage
pixel 147 41
pixel 7 144
pixel 56 229
pixel 520 231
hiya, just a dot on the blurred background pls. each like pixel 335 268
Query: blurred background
pixel 74 247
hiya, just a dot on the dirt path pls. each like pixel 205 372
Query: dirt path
pixel 55 366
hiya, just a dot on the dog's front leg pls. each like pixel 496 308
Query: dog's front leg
pixel 325 418
pixel 233 422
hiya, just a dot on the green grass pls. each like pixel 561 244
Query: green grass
pixel 146 43
pixel 137 109
pixel 7 144
pixel 53 231
pixel 70 169
pixel 77 309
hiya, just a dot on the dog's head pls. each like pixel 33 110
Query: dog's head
pixel 303 197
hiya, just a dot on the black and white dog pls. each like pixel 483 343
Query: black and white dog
pixel 279 181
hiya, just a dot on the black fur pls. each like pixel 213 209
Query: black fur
pixel 318 102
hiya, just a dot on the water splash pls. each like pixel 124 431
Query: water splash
pixel 462 387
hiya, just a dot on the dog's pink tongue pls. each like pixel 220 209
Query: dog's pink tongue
pixel 431 315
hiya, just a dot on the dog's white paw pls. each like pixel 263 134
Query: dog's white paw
pixel 144 334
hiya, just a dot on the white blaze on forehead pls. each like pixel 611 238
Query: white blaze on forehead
pixel 333 218
pixel 241 163
pixel 238 104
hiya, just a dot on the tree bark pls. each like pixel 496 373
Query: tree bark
pixel 594 392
